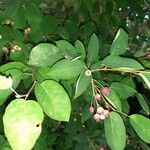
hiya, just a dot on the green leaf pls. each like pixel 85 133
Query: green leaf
pixel 49 24
pixel 66 48
pixel 82 84
pixel 80 48
pixel 115 131
pixel 22 123
pixel 33 14
pixel 141 126
pixel 12 7
pixel 43 74
pixel 53 99
pixel 146 78
pixel 12 65
pixel 19 19
pixel 114 99
pixel 120 43
pixel 36 34
pixel 66 69
pixel 143 103
pixel 44 55
pixel 16 76
pixel 124 91
pixel 117 62
pixel 93 49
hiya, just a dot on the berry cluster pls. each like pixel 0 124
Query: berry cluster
pixel 100 112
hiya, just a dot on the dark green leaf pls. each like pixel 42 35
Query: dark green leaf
pixel 143 103
pixel 33 14
pixel 124 91
pixel 93 49
pixel 80 48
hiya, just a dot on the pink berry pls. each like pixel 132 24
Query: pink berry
pixel 100 110
pixel 102 117
pixel 97 96
pixel 106 113
pixel 97 117
pixel 105 91
pixel 91 109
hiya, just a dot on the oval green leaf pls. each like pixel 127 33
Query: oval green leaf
pixel 93 49
pixel 114 99
pixel 120 43
pixel 116 61
pixel 66 69
pixel 53 99
pixel 141 126
pixel 115 131
pixel 44 55
pixel 82 84
pixel 22 123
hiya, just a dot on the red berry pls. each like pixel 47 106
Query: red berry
pixel 102 117
pixel 105 91
pixel 97 117
pixel 100 110
pixel 91 109
pixel 97 96
pixel 106 113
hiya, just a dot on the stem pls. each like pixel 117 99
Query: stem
pixel 27 95
pixel 121 69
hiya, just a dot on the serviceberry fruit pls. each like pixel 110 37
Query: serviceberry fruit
pixel 102 117
pixel 97 96
pixel 91 109
pixel 100 110
pixel 97 117
pixel 105 113
pixel 105 91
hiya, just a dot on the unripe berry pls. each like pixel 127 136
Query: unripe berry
pixel 106 113
pixel 105 91
pixel 91 109
pixel 100 110
pixel 88 72
pixel 97 96
pixel 102 117
pixel 97 117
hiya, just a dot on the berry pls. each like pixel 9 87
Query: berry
pixel 88 72
pixel 106 113
pixel 97 117
pixel 91 109
pixel 105 91
pixel 97 96
pixel 100 110
pixel 102 117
